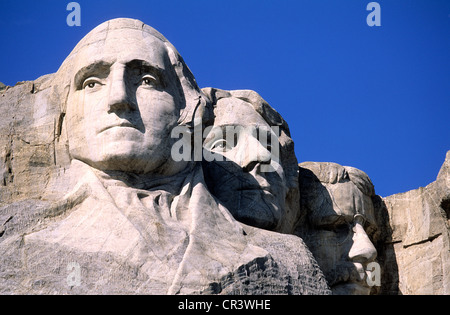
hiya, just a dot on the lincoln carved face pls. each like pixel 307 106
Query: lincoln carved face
pixel 125 98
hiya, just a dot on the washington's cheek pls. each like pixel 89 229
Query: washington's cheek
pixel 75 124
pixel 94 112
pixel 154 104
pixel 159 121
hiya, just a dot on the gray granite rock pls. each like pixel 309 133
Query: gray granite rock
pixel 93 200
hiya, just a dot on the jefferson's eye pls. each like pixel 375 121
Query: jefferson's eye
pixel 221 145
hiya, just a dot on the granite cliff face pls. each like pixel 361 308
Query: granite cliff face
pixel 415 242
pixel 71 226
pixel 28 140
pixel 412 240
pixel 83 217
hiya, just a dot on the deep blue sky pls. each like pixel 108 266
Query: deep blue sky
pixel 376 98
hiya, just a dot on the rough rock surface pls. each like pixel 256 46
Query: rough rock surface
pixel 30 165
pixel 415 243
pixel 50 226
pixel 67 227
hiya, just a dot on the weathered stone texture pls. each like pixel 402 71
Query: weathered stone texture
pixel 133 233
pixel 131 228
pixel 416 238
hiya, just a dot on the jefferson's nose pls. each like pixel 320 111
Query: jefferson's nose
pixel 254 153
pixel 362 250
pixel 119 97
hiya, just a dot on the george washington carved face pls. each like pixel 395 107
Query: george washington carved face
pixel 125 98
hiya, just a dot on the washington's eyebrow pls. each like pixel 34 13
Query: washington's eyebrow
pixel 144 67
pixel 99 69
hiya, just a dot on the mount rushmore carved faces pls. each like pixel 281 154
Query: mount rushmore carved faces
pixel 134 219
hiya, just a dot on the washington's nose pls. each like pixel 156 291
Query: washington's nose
pixel 254 154
pixel 119 97
pixel 362 250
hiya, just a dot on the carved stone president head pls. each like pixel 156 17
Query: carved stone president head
pixel 257 180
pixel 340 224
pixel 123 89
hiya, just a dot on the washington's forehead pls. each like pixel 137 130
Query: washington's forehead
pixel 123 47
pixel 122 26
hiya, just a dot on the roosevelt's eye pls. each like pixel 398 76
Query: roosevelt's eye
pixel 91 83
pixel 221 145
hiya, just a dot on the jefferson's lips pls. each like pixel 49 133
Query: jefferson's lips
pixel 255 188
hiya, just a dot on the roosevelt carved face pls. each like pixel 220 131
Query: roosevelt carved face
pixel 124 101
pixel 341 216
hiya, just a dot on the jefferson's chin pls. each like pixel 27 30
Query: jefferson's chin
pixel 351 288
pixel 257 207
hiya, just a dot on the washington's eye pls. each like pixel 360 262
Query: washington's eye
pixel 221 145
pixel 148 80
pixel 91 83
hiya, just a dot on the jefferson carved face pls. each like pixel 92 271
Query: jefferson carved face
pixel 242 180
pixel 124 101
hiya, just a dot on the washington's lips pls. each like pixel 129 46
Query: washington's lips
pixel 120 124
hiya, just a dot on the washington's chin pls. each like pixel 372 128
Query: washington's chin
pixel 123 157
pixel 351 288
pixel 120 163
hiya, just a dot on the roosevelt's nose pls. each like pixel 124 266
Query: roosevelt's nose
pixel 255 153
pixel 119 97
pixel 362 250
